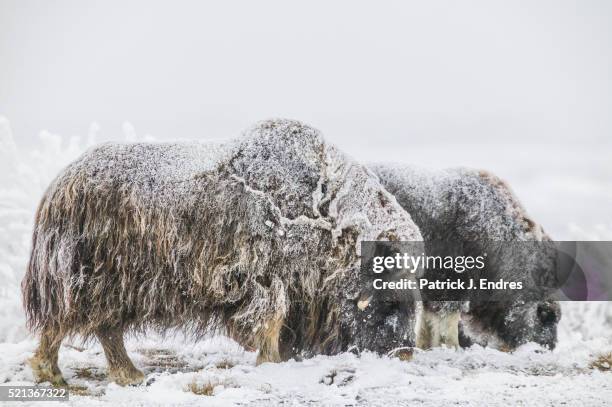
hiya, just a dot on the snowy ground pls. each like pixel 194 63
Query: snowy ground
pixel 218 372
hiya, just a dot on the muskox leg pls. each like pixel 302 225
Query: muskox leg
pixel 120 367
pixel 437 328
pixel 44 362
pixel 268 342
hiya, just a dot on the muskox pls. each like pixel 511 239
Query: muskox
pixel 258 238
pixel 477 208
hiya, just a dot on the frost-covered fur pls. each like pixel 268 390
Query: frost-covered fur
pixel 464 205
pixel 259 238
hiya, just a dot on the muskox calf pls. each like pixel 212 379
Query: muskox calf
pixel 462 205
pixel 259 238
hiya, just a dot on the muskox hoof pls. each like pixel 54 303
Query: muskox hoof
pixel 46 371
pixel 126 377
pixel 403 354
pixel 268 358
pixel 438 329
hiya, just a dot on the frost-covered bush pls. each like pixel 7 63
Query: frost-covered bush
pixel 24 176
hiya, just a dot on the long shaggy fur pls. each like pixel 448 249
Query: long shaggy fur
pixel 464 205
pixel 260 234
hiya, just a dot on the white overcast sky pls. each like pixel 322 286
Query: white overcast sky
pixel 391 73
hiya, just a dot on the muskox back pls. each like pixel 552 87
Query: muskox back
pixel 259 238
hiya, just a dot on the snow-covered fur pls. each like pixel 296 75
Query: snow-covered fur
pixel 259 238
pixel 464 205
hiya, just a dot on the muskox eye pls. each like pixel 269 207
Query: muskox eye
pixel 547 315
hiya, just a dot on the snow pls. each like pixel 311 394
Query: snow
pixel 478 376
pixel 179 368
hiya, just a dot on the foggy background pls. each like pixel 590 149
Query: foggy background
pixel 522 88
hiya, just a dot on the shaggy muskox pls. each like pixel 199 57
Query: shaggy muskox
pixel 258 238
pixel 476 207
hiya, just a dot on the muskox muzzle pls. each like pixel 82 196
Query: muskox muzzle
pixel 509 325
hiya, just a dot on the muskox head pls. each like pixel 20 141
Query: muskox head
pixel 377 318
pixel 522 316
pixel 509 325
